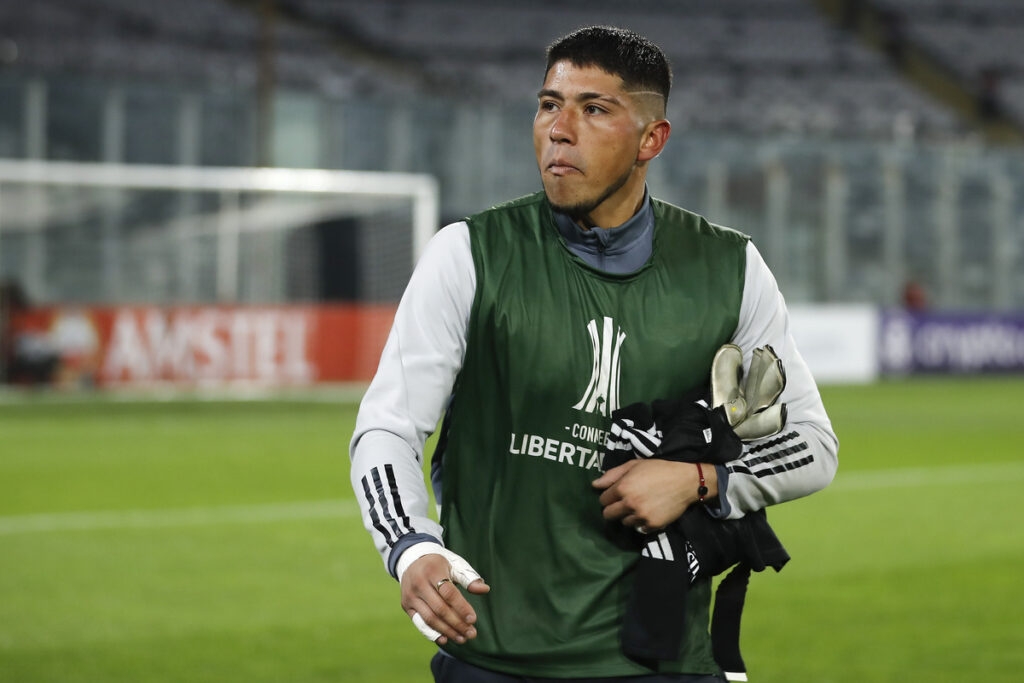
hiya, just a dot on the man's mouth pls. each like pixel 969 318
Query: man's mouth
pixel 560 167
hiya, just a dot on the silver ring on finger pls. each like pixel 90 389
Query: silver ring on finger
pixel 643 529
pixel 440 583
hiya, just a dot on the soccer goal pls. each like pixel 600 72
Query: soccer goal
pixel 118 234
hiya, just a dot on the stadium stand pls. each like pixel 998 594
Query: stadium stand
pixel 756 67
pixel 980 40
pixel 961 53
pixel 752 67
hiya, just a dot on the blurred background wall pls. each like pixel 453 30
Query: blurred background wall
pixel 871 147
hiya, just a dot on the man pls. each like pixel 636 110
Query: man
pixel 526 326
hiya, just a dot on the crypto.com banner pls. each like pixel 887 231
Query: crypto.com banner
pixel 951 343
pixel 202 345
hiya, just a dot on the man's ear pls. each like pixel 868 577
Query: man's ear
pixel 655 136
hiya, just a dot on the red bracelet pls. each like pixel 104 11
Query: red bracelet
pixel 702 490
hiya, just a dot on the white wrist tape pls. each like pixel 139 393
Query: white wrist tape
pixel 415 552
pixel 461 571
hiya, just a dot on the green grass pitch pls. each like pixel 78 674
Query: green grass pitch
pixel 205 541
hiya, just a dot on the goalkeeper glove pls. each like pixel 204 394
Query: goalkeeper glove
pixel 751 404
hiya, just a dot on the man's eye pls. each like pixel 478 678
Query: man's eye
pixel 593 109
pixel 548 105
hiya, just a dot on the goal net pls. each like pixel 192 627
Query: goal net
pixel 113 234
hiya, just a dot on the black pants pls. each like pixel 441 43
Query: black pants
pixel 447 669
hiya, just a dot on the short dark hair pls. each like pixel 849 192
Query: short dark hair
pixel 636 60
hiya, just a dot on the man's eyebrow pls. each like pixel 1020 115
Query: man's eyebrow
pixel 582 97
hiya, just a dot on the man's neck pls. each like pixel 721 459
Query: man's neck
pixel 619 207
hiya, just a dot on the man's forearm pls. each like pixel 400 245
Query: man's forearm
pixel 392 495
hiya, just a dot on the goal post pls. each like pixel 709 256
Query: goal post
pixel 65 227
pixel 136 275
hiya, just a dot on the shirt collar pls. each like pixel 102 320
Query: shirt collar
pixel 608 241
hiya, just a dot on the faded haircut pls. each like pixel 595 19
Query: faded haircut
pixel 636 60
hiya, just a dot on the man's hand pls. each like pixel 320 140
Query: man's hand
pixel 430 596
pixel 651 494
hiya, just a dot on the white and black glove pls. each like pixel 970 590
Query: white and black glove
pixel 688 430
pixel 751 402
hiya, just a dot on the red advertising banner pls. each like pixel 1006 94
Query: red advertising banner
pixel 198 345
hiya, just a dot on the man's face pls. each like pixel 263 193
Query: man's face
pixel 587 135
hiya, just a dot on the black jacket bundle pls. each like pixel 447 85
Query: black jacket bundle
pixel 695 546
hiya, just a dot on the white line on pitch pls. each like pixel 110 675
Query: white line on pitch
pixel 326 509
pixel 173 517
pixel 902 477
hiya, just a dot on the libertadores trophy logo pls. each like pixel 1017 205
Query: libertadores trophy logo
pixel 602 394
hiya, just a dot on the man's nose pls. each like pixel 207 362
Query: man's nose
pixel 563 128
